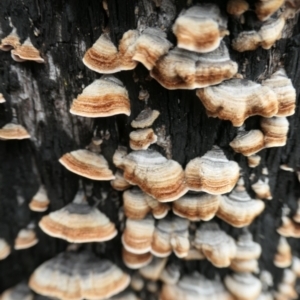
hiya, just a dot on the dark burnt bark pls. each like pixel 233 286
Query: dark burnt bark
pixel 42 94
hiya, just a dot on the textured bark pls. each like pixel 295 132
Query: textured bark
pixel 42 94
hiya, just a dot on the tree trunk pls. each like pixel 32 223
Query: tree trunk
pixel 41 95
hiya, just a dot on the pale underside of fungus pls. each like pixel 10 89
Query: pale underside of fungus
pixel 11 41
pixel 87 164
pixel 60 276
pixel 4 249
pixel 238 99
pixel 25 239
pixel 212 173
pixel 159 177
pixel 200 28
pixel 25 52
pixel 105 97
pixel 12 131
pixel 182 69
pixel 40 200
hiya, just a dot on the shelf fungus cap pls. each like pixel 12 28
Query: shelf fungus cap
pixel 243 286
pixel 253 160
pixel 25 239
pixel 170 274
pixel 159 177
pixel 119 183
pixel 212 173
pixel 137 236
pixel 40 200
pixel 296 216
pixel 283 257
pixel 218 247
pixel 237 7
pixel 105 97
pixel 289 228
pixel 78 276
pixel 227 102
pixel 78 223
pixel 87 164
pixel 136 261
pixel 197 207
pixel 285 91
pixel 296 266
pixel 154 269
pixel 103 56
pixel 141 139
pixel 150 46
pixel 4 249
pixel 200 28
pixel 2 99
pixel 247 249
pixel 275 130
pixel 248 142
pixel 26 52
pixel 12 131
pixel 10 42
pixel 238 209
pixel 137 205
pixel 145 118
pixel 19 292
pixel 262 189
pixel 250 265
pixel 194 254
pixel 182 69
pixel 264 9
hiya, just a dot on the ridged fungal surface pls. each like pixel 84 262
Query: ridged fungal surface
pixel 11 41
pixel 265 8
pixel 289 228
pixel 59 277
pixel 12 131
pixel 25 239
pixel 141 139
pixel 119 183
pixel 25 52
pixel 237 7
pixel 154 270
pixel 136 261
pixel 4 249
pixel 145 118
pixel 40 200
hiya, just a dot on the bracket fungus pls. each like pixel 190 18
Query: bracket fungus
pixel 262 189
pixel 2 99
pixel 150 46
pixel 200 28
pixel 171 235
pixel 238 209
pixel 145 118
pixel 105 97
pixel 283 257
pixel 285 91
pixel 25 239
pixel 243 286
pixel 296 216
pixel 266 37
pixel 264 9
pixel 154 270
pixel 11 41
pixel 78 222
pixel 253 161
pixel 170 274
pixel 275 130
pixel 26 52
pixel 136 261
pixel 141 139
pixel 182 69
pixel 197 207
pixel 119 183
pixel 238 99
pixel 40 200
pixel 212 173
pixel 19 292
pixel 217 246
pixel 289 228
pixel 248 142
pixel 78 276
pixel 286 289
pixel 137 235
pixel 13 131
pixel 4 249
pixel 137 205
pixel 159 177
pixel 237 7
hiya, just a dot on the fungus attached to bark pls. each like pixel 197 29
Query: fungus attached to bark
pixel 238 99
pixel 105 97
pixel 262 189
pixel 141 139
pixel 194 254
pixel 119 183
pixel 170 274
pixel 19 292
pixel 212 173
pixel 253 161
pixel 136 261
pixel 286 93
pixel 182 69
pixel 237 7
pixel 283 257
pixel 289 228
pixel 26 52
pixel 154 270
pixel 196 207
pixel 145 118
pixel 159 177
pixel 244 286
pixel 296 216
pixel 2 99
pixel 12 131
pixel 248 142
pixel 218 247
pixel 150 46
pixel 25 239
pixel 137 235
pixel 11 41
pixel 264 9
pixel 238 209
pixel 275 130
pixel 78 276
pixel 4 249
pixel 40 200
pixel 286 289
pixel 137 205
pixel 200 28
pixel 78 222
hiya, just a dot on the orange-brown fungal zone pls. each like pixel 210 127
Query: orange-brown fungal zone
pixel 12 131
pixel 25 52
